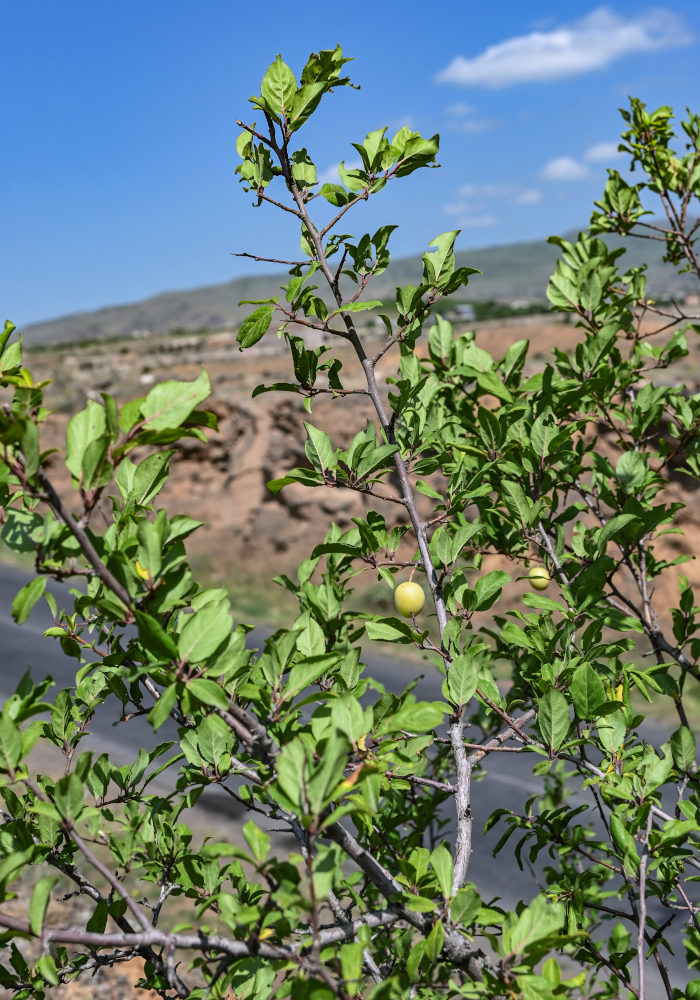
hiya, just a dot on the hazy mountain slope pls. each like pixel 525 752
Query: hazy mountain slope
pixel 515 271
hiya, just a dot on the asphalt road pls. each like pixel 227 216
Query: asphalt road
pixel 508 782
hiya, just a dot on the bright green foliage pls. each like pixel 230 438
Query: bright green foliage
pixel 475 467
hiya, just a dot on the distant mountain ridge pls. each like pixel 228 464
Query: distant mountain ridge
pixel 514 271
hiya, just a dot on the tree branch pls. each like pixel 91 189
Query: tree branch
pixel 463 843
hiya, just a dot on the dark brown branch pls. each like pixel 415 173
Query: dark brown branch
pixel 88 549
pixel 278 204
pixel 272 260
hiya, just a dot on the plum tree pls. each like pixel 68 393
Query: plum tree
pixel 369 892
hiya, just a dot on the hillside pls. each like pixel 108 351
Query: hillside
pixel 514 271
pixel 251 534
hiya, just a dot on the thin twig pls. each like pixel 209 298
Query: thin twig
pixel 272 260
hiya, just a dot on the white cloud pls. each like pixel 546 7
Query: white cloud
pixel 482 125
pixel 401 121
pixel 602 152
pixel 590 43
pixel 329 175
pixel 564 168
pixel 466 220
pixel 530 196
pixel 471 209
pixel 460 119
pixel 460 110
pixel 508 192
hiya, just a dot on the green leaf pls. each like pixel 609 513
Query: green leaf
pixel 305 102
pixel 544 430
pixel 612 730
pixel 488 588
pixel 208 692
pixel 278 88
pixel 420 904
pixel 427 490
pixel 351 965
pixel 349 718
pixel 7 332
pixel 542 603
pixel 631 470
pixel 306 673
pixel 39 902
pixel 144 481
pixel 98 920
pixel 514 359
pixel 85 427
pixel 623 839
pixel 30 448
pixel 307 477
pixel 10 745
pixel 154 637
pixel 491 383
pixel 612 528
pixel 46 967
pixel 335 195
pixel 303 169
pixel 214 739
pixel 374 459
pixel 465 906
pixel 357 306
pixel 553 718
pixel 389 630
pixel 533 924
pixel 441 860
pixel 422 717
pixel 439 264
pixel 435 941
pixel 96 470
pixel 413 151
pixel 519 502
pixel 462 680
pixel 204 631
pixel 319 448
pixel 150 548
pixel 163 707
pixel 68 796
pixel 257 840
pixel 171 403
pixel 587 691
pixel 27 597
pixel 354 180
pixel 683 749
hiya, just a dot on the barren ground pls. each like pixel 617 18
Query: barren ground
pixel 250 535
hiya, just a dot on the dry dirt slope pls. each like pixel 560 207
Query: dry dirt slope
pixel 249 534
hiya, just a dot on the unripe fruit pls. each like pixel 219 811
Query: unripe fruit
pixel 538 577
pixel 409 598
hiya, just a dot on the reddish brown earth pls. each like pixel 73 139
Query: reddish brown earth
pixel 250 535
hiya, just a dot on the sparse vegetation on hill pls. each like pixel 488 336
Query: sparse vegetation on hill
pixel 518 271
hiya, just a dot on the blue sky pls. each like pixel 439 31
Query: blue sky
pixel 118 125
